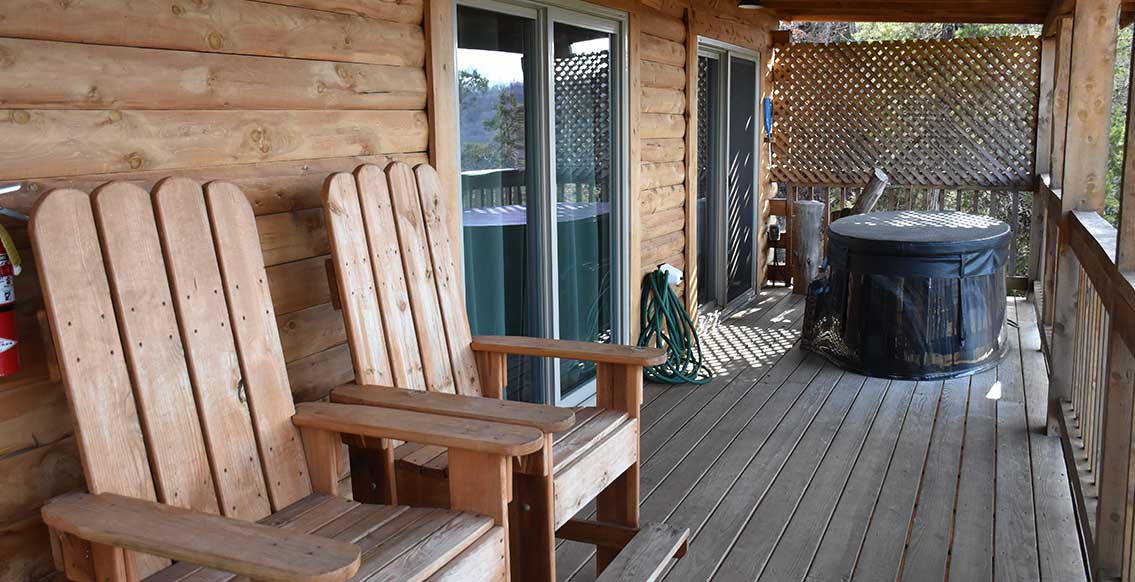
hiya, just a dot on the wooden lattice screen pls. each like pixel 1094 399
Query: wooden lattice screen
pixel 939 113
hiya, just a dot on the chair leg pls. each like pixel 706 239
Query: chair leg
pixel 532 536
pixel 618 503
pixel 372 471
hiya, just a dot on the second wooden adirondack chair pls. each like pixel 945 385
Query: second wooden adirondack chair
pixel 185 423
pixel 394 265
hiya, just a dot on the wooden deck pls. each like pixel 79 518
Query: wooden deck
pixel 787 468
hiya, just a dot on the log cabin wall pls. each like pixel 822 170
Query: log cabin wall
pixel 272 95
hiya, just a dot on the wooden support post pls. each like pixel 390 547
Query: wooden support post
pixel 691 208
pixel 1092 67
pixel 619 387
pixel 1113 516
pixel 871 193
pixel 1061 76
pixel 532 533
pixel 1125 243
pixel 806 231
pixel 481 483
pixel 441 103
pixel 1043 161
pixel 321 449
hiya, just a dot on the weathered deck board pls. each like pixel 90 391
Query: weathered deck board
pixel 786 468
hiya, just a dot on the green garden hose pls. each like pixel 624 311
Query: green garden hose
pixel 665 324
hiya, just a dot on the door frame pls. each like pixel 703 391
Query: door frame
pixel 580 14
pixel 724 52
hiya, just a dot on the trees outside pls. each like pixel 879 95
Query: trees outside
pixel 492 122
pixel 827 32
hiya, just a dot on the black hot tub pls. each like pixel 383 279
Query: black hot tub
pixel 911 295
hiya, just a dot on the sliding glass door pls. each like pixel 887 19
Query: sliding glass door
pixel 727 174
pixel 541 102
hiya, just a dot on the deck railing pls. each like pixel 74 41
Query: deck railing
pixel 1088 311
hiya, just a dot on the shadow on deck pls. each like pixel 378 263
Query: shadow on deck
pixel 787 468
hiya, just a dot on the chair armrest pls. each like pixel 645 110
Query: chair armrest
pixel 468 434
pixel 240 547
pixel 547 419
pixel 573 350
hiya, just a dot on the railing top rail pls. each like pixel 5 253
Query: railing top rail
pixel 1092 239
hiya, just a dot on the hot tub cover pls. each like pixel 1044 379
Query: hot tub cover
pixel 911 295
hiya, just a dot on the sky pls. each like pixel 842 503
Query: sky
pixel 502 68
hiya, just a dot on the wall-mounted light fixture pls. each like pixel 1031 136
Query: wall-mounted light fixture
pixel 749 4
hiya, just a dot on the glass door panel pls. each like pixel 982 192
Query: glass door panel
pixel 740 226
pixel 497 63
pixel 585 96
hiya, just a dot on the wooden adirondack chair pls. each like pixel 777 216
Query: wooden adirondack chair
pixel 394 266
pixel 185 423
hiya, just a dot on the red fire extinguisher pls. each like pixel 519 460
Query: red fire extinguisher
pixel 9 268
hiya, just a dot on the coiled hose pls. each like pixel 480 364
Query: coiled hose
pixel 665 324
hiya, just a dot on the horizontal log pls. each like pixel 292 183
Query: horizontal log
pixel 291 236
pixel 30 477
pixel 662 76
pixel 660 50
pixel 64 75
pixel 309 331
pixel 659 199
pixel 299 284
pixel 678 260
pixel 218 26
pixel 656 249
pixel 663 223
pixel 270 186
pixel 655 100
pixel 661 125
pixel 669 149
pixel 408 11
pixel 313 377
pixel 41 143
pixel 662 174
pixel 662 25
pixel 32 414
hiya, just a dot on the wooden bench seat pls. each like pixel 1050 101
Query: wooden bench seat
pixel 397 542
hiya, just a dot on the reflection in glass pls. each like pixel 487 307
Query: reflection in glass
pixel 708 162
pixel 496 62
pixel 585 109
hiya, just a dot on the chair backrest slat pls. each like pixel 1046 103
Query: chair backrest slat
pixel 78 300
pixel 356 281
pixel 451 299
pixel 199 298
pixel 420 278
pixel 163 320
pixel 77 296
pixel 152 343
pixel 386 261
pixel 258 344
pixel 415 288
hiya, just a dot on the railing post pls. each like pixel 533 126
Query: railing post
pixel 1113 482
pixel 1092 67
pixel 1116 486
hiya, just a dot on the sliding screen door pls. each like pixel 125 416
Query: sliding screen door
pixel 727 175
pixel 541 102
pixel 741 163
